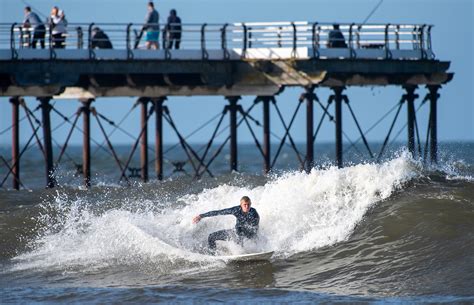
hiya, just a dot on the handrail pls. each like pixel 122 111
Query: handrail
pixel 243 36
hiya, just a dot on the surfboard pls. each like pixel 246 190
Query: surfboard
pixel 261 256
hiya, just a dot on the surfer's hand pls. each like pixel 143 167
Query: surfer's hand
pixel 196 219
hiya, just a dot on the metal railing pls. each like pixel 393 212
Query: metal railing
pixel 236 36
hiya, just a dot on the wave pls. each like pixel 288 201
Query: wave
pixel 299 212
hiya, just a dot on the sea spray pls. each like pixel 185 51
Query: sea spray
pixel 299 212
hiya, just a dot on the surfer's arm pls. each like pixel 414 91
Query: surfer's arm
pixel 229 211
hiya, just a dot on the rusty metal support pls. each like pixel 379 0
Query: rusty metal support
pixel 410 97
pixel 433 96
pixel 15 101
pixel 338 97
pixel 309 97
pixel 233 108
pixel 159 136
pixel 86 141
pixel 144 138
pixel 47 138
pixel 266 134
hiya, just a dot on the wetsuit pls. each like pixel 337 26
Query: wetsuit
pixel 245 226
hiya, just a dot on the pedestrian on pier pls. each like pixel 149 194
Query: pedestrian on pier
pixel 336 38
pixel 32 21
pixel 152 27
pixel 58 23
pixel 173 30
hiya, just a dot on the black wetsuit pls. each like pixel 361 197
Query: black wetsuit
pixel 245 226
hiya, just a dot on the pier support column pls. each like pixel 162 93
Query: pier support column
pixel 338 120
pixel 86 141
pixel 410 97
pixel 15 101
pixel 144 138
pixel 47 138
pixel 309 97
pixel 233 108
pixel 266 133
pixel 159 136
pixel 433 122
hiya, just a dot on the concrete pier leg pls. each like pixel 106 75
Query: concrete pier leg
pixel 410 97
pixel 86 141
pixel 15 101
pixel 309 129
pixel 233 130
pixel 433 122
pixel 338 121
pixel 144 138
pixel 159 137
pixel 266 134
pixel 47 138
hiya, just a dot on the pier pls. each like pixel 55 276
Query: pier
pixel 228 60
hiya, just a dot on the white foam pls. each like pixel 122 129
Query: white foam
pixel 299 212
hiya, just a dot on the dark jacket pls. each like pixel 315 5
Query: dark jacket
pixel 173 27
pixel 246 223
pixel 100 40
pixel 336 39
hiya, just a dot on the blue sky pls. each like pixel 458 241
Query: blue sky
pixel 452 38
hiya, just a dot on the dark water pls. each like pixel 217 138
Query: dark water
pixel 397 231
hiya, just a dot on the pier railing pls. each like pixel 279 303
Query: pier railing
pixel 261 40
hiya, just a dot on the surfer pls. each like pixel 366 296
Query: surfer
pixel 246 225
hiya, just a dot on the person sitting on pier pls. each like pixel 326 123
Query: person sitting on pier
pixel 173 30
pixel 99 39
pixel 246 225
pixel 58 23
pixel 33 21
pixel 152 27
pixel 336 38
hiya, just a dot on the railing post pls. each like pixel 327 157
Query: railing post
pixel 387 42
pixel 47 138
pixel 86 141
pixel 233 108
pixel 205 55
pixel 15 142
pixel 315 38
pixel 244 48
pixel 295 39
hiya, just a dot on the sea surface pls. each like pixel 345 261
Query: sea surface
pixel 398 230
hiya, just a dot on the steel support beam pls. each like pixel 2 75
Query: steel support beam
pixel 338 98
pixel 159 137
pixel 233 108
pixel 47 138
pixel 144 138
pixel 433 122
pixel 410 97
pixel 266 133
pixel 309 97
pixel 15 101
pixel 86 141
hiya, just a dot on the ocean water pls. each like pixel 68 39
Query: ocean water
pixel 395 231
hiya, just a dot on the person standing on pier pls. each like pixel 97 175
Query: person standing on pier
pixel 336 38
pixel 152 27
pixel 173 30
pixel 246 225
pixel 58 24
pixel 33 21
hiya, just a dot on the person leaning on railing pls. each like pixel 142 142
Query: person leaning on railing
pixel 173 30
pixel 336 38
pixel 58 23
pixel 32 21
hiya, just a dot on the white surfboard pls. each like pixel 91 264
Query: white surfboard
pixel 261 256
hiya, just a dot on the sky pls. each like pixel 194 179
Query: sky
pixel 452 39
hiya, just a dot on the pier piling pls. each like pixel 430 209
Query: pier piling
pixel 144 138
pixel 233 108
pixel 47 140
pixel 86 140
pixel 338 117
pixel 159 136
pixel 433 122
pixel 15 101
